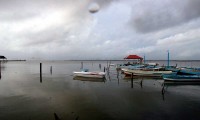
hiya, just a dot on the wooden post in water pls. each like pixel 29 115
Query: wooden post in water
pixel 51 70
pixel 41 72
pixel 100 66
pixel 168 58
pixel 132 80
pixel 81 65
pixel 0 69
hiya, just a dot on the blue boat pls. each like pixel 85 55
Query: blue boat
pixel 182 76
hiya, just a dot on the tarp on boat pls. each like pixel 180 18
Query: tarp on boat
pixel 133 57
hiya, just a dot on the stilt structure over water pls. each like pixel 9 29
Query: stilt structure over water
pixel 134 57
pixel 2 58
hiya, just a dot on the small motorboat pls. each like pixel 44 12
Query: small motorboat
pixel 86 73
pixel 174 77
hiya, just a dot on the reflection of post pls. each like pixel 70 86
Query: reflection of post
pixel 0 69
pixel 118 76
pixel 163 91
pixel 107 69
pixel 51 70
pixel 132 80
pixel 41 72
pixel 141 82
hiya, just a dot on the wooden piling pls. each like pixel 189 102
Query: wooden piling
pixel 56 117
pixel 40 72
pixel 51 70
pixel 0 69
pixel 132 80
pixel 100 66
pixel 81 65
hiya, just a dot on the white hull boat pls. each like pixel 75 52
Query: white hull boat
pixel 90 74
pixel 152 73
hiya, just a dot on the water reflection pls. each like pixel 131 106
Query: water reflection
pixel 89 79
pixel 2 67
pixel 176 85
pixel 61 96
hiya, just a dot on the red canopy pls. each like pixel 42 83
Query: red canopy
pixel 133 57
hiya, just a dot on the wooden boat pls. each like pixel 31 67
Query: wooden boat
pixel 146 72
pixel 90 74
pixel 180 76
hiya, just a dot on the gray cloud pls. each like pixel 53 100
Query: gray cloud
pixel 54 29
pixel 161 15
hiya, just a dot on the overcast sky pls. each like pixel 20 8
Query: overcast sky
pixel 66 29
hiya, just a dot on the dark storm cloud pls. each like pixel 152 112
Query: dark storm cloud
pixel 103 2
pixel 161 15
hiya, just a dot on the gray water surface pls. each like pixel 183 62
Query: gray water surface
pixel 24 96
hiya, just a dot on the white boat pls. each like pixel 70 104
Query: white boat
pixel 152 73
pixel 90 74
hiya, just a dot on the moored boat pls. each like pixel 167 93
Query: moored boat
pixel 86 73
pixel 183 76
pixel 147 71
pixel 153 73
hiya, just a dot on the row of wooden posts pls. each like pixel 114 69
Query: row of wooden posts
pixel 41 71
pixel 51 73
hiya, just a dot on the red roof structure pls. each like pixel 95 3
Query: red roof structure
pixel 133 57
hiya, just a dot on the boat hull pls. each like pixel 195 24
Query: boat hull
pixel 90 74
pixel 146 73
pixel 181 78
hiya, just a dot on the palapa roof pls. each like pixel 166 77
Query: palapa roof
pixel 133 57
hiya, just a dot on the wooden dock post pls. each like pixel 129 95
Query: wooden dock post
pixel 81 65
pixel 132 80
pixel 51 70
pixel 41 72
pixel 100 66
pixel 0 69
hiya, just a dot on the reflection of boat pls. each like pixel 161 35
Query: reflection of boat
pixel 129 76
pixel 176 77
pixel 169 83
pixel 89 79
pixel 86 73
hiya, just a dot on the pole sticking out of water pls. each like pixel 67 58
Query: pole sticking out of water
pixel 100 66
pixel 56 117
pixel 132 80
pixel 0 69
pixel 167 58
pixel 51 70
pixel 81 65
pixel 40 72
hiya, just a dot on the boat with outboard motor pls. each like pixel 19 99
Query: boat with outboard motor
pixel 86 73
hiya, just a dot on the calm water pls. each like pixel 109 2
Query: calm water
pixel 24 96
